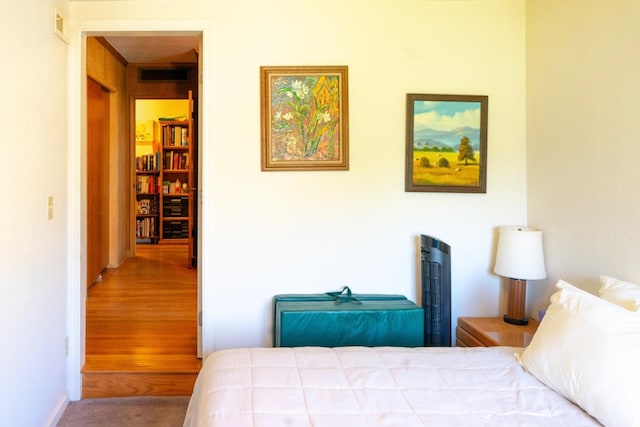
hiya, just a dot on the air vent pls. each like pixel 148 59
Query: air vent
pixel 154 75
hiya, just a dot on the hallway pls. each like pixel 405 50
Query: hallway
pixel 141 327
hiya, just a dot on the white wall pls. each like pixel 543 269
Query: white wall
pixel 583 99
pixel 33 249
pixel 274 232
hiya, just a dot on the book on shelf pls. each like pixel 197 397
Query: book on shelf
pixel 146 184
pixel 148 162
pixel 146 228
pixel 175 136
pixel 175 160
pixel 184 136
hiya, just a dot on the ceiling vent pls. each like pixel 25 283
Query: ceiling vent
pixel 155 75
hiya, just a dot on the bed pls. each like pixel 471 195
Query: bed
pixel 578 370
pixel 365 386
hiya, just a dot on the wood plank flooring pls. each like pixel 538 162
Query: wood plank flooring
pixel 141 327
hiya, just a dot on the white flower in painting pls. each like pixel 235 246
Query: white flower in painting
pixel 277 116
pixel 300 89
pixel 287 116
pixel 326 117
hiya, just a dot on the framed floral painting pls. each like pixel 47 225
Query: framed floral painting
pixel 446 145
pixel 304 111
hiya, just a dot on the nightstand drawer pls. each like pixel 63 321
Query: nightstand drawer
pixel 493 331
pixel 465 339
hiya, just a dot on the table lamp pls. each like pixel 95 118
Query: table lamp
pixel 519 258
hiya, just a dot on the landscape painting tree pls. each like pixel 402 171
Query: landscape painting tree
pixel 465 152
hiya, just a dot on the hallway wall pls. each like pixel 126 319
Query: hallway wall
pixel 106 69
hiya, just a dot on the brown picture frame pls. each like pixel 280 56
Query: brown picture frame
pixel 304 118
pixel 446 143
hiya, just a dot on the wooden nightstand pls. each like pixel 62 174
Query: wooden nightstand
pixel 493 331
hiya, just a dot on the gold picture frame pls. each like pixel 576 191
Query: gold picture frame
pixel 304 114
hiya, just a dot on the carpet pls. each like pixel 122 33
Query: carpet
pixel 125 412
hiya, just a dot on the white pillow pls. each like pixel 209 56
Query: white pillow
pixel 588 350
pixel 624 294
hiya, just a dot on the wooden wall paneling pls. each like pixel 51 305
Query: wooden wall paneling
pixel 97 179
pixel 110 70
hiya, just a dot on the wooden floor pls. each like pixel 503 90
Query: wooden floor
pixel 141 327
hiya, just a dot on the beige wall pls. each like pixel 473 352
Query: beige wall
pixel 106 69
pixel 266 233
pixel 33 273
pixel 583 99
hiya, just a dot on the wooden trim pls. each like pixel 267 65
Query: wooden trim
pixel 112 50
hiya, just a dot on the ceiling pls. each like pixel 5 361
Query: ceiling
pixel 150 49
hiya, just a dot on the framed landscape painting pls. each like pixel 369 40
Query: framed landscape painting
pixel 446 146
pixel 304 113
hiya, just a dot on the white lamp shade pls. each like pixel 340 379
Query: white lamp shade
pixel 519 254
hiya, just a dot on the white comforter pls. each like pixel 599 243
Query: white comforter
pixel 383 386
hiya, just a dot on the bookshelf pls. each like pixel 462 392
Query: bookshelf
pixel 148 197
pixel 176 210
pixel 165 176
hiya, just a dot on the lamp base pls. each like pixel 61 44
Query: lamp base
pixel 519 322
pixel 516 303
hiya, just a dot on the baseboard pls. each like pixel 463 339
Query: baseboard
pixel 58 411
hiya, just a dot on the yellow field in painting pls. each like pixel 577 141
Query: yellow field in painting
pixel 456 174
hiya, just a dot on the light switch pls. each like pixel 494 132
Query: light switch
pixel 50 207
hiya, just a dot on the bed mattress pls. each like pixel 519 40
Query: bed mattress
pixel 380 386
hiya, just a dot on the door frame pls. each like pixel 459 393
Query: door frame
pixel 77 168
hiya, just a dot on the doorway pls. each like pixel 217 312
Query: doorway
pixel 127 168
pixel 165 145
pixel 76 251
